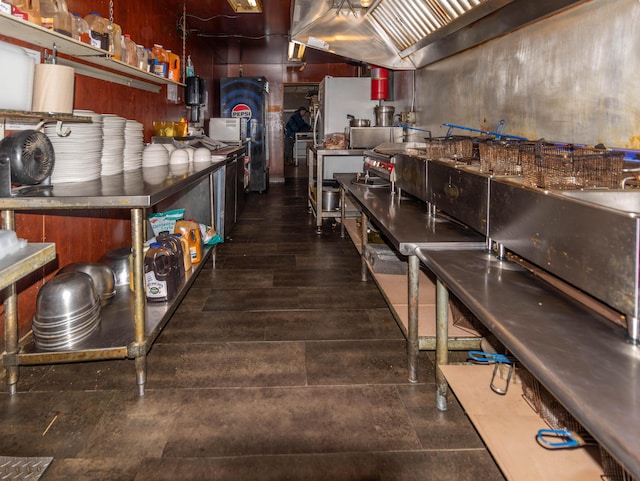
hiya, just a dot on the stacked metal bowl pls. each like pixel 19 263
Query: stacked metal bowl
pixel 67 312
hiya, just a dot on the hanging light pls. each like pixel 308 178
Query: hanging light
pixel 246 6
pixel 295 52
pixel 365 3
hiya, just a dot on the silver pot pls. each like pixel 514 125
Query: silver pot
pixel 330 198
pixel 353 122
pixel 384 115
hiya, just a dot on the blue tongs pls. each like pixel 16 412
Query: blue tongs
pixel 562 439
pixel 483 357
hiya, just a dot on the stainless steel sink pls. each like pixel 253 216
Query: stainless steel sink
pixel 620 200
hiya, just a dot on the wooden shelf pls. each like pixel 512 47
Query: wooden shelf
pixel 508 426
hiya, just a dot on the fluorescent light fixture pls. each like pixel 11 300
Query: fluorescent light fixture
pixel 246 6
pixel 296 52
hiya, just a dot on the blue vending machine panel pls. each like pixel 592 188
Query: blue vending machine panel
pixel 246 97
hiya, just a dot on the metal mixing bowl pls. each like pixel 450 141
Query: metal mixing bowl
pixel 118 260
pixel 66 297
pixel 103 277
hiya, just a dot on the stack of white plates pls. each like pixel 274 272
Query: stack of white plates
pixel 112 144
pixel 155 155
pixel 133 145
pixel 77 154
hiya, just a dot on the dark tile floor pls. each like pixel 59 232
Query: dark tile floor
pixel 278 365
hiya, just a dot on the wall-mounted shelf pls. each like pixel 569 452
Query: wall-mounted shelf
pixel 45 116
pixel 119 72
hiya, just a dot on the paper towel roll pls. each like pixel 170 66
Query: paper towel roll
pixel 53 88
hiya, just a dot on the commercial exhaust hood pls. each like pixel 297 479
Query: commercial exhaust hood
pixel 409 34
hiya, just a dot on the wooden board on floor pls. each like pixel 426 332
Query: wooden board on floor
pixel 508 426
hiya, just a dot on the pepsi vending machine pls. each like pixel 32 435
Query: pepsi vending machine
pixel 246 97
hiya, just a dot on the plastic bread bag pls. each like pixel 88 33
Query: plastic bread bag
pixel 209 235
pixel 165 221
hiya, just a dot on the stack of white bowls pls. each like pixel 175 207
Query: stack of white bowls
pixel 154 155
pixel 202 155
pixel 78 154
pixel 112 144
pixel 133 145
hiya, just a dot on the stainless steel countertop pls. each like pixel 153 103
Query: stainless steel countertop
pixel 329 152
pixel 581 358
pixel 141 188
pixel 405 221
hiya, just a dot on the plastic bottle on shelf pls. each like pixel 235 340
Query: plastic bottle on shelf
pixel 98 30
pixel 80 29
pixel 159 274
pixel 185 251
pixel 115 42
pixel 129 53
pixel 173 243
pixel 173 72
pixel 161 61
pixel 55 15
pixel 27 10
pixel 191 231
pixel 143 58
pixel 151 60
pixel 189 69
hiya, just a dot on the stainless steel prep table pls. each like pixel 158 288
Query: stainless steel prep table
pixel 580 357
pixel 351 160
pixel 407 225
pixel 133 324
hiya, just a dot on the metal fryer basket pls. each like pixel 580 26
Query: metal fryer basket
pixel 452 147
pixel 567 168
pixel 612 470
pixel 542 402
pixel 504 157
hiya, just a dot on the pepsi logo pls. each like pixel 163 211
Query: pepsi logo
pixel 242 111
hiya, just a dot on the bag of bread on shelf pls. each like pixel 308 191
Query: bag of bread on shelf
pixel 165 221
pixel 337 141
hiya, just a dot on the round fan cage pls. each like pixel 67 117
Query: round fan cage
pixel 31 155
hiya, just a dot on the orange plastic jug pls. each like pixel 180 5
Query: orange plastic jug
pixel 173 72
pixel 161 63
pixel 191 231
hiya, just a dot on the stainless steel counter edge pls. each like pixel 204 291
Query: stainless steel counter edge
pixel 406 223
pixel 581 358
pixel 133 189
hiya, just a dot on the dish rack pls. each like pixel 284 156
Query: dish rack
pixel 568 168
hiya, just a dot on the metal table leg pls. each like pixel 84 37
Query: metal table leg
pixel 364 235
pixel 342 212
pixel 442 348
pixel 412 327
pixel 139 348
pixel 11 321
pixel 319 179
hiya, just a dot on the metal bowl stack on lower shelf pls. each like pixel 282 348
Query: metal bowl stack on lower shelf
pixel 67 312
